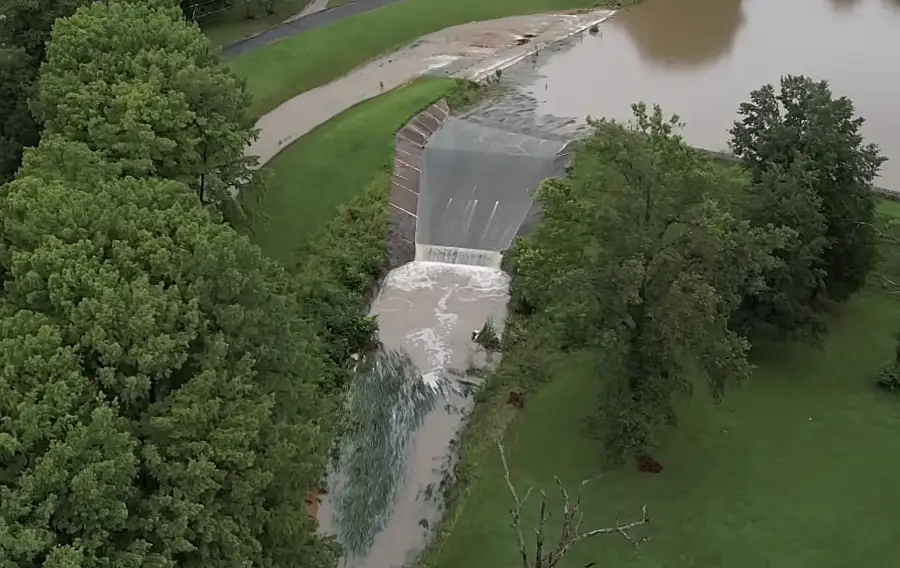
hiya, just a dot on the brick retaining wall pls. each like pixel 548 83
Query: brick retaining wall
pixel 409 157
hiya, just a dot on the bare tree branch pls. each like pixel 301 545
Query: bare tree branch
pixel 880 232
pixel 516 512
pixel 570 532
pixel 884 236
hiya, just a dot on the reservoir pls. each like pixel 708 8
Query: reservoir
pixel 700 59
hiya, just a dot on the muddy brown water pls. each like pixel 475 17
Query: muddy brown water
pixel 701 58
pixel 426 310
pixel 697 58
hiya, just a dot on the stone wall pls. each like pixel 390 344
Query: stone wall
pixel 409 151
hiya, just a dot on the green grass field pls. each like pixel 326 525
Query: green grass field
pixel 277 72
pixel 797 469
pixel 232 24
pixel 332 164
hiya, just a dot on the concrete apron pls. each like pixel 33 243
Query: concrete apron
pixel 478 48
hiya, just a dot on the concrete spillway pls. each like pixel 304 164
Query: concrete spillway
pixel 476 189
pixel 461 191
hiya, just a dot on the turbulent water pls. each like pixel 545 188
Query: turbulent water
pixel 407 407
pixel 456 255
pixel 388 404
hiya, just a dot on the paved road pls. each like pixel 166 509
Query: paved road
pixel 314 7
pixel 303 24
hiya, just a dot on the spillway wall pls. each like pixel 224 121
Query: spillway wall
pixel 409 151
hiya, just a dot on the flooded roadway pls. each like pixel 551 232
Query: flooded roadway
pixel 701 58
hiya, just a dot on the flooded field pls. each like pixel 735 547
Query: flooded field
pixel 701 58
pixel 407 406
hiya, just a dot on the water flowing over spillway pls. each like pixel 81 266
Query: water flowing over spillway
pixel 409 401
pixel 456 255
pixel 406 408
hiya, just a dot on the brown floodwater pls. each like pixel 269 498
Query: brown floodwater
pixel 428 311
pixel 701 58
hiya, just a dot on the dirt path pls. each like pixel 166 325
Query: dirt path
pixel 471 50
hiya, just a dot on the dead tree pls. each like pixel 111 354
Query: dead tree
pixel 548 555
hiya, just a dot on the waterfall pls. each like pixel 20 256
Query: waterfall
pixel 457 255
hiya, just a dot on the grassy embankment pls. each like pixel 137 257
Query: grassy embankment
pixel 295 65
pixel 335 163
pixel 796 469
pixel 232 24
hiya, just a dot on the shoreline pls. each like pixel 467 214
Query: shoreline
pixel 475 49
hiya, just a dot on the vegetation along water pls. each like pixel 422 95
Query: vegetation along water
pixel 204 362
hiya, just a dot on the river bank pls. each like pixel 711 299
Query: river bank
pixel 438 307
pixel 492 419
pixel 325 53
pixel 472 50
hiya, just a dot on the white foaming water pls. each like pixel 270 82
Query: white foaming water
pixel 425 310
pixel 429 340
pixel 438 61
pixel 421 275
pixel 429 310
pixel 457 255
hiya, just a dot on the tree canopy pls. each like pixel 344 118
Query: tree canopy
pixel 164 402
pixel 672 261
pixel 166 399
pixel 652 265
pixel 143 87
pixel 811 169
pixel 24 31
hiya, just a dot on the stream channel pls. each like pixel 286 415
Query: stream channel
pixel 696 58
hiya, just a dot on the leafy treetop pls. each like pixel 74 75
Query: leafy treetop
pixel 652 266
pixel 164 402
pixel 145 88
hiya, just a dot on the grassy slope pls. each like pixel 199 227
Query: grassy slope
pixel 796 469
pixel 231 25
pixel 284 69
pixel 334 163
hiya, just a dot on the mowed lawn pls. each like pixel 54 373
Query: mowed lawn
pixel 232 24
pixel 797 469
pixel 277 72
pixel 334 163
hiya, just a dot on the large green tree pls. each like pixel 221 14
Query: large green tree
pixel 145 88
pixel 636 259
pixel 784 307
pixel 17 126
pixel 803 136
pixel 24 30
pixel 164 403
